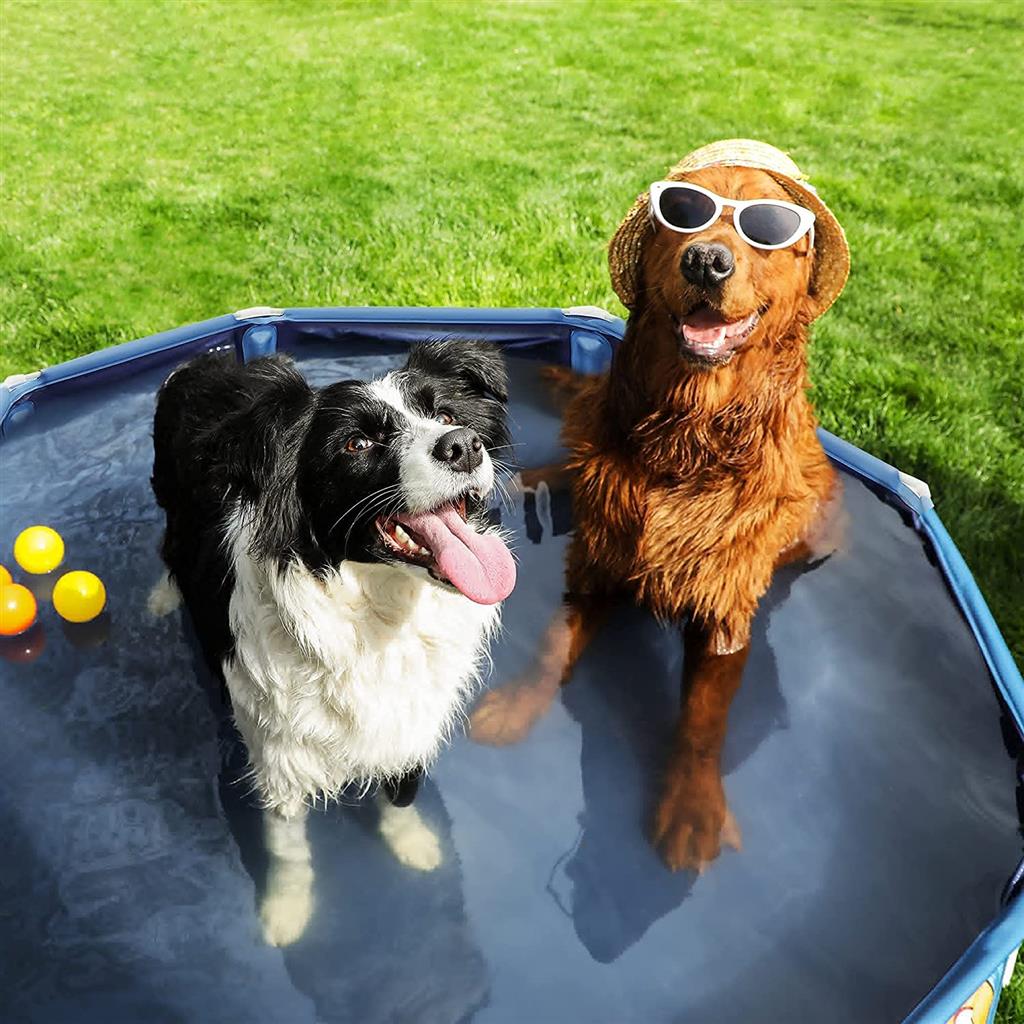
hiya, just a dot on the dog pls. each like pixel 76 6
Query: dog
pixel 334 550
pixel 694 464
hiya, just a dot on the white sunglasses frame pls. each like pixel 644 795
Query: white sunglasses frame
pixel 738 205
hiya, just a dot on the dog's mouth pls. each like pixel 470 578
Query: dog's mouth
pixel 706 335
pixel 443 542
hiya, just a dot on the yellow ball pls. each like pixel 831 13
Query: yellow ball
pixel 38 549
pixel 79 596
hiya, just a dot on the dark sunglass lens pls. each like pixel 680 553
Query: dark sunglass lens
pixel 684 208
pixel 768 224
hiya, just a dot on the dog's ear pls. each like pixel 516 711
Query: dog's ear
pixel 268 434
pixel 477 363
pixel 267 427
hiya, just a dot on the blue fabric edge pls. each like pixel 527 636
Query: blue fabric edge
pixel 984 958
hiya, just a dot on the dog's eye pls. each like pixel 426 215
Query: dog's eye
pixel 358 443
pixel 444 416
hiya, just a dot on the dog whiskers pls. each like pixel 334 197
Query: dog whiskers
pixel 366 498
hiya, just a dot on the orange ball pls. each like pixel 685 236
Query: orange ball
pixel 5 576
pixel 17 609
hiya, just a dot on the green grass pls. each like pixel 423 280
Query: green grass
pixel 163 163
pixel 1011 1005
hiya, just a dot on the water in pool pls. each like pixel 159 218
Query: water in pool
pixel 869 779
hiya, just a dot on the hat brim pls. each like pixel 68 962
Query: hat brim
pixel 831 252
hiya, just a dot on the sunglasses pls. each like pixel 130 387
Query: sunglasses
pixel 762 223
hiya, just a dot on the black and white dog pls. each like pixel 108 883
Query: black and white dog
pixel 333 550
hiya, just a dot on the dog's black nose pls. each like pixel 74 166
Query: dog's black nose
pixel 707 264
pixel 460 449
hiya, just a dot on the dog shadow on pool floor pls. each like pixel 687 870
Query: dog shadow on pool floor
pixel 625 696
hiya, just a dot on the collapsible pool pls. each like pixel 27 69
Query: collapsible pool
pixel 870 763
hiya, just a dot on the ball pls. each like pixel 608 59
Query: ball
pixel 5 576
pixel 38 549
pixel 17 609
pixel 79 596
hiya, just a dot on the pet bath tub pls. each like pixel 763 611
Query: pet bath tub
pixel 869 763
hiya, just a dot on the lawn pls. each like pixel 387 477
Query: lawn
pixel 163 163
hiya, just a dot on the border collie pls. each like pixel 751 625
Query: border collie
pixel 333 549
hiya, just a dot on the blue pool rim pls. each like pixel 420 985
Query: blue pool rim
pixel 984 958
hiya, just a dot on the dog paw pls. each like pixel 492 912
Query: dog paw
pixel 506 716
pixel 164 598
pixel 287 904
pixel 410 839
pixel 691 825
pixel 526 480
pixel 831 526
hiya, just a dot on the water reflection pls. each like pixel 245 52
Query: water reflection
pixel 24 648
pixel 83 635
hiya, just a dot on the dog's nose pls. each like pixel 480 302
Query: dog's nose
pixel 460 449
pixel 707 264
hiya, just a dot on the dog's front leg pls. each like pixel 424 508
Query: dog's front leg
pixel 408 836
pixel 505 716
pixel 692 820
pixel 557 478
pixel 288 900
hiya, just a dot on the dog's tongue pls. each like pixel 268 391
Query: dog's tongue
pixel 478 564
pixel 706 332
pixel 704 327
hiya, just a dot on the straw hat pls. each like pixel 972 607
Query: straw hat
pixel 831 253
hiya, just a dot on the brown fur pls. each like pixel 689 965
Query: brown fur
pixel 690 482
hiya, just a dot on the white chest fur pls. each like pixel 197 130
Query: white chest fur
pixel 357 678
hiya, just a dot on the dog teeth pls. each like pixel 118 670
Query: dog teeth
pixel 407 543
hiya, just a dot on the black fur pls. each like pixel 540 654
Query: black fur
pixel 401 792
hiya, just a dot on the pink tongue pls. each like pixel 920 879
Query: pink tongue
pixel 704 327
pixel 478 564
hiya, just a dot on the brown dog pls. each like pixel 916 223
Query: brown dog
pixel 694 463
